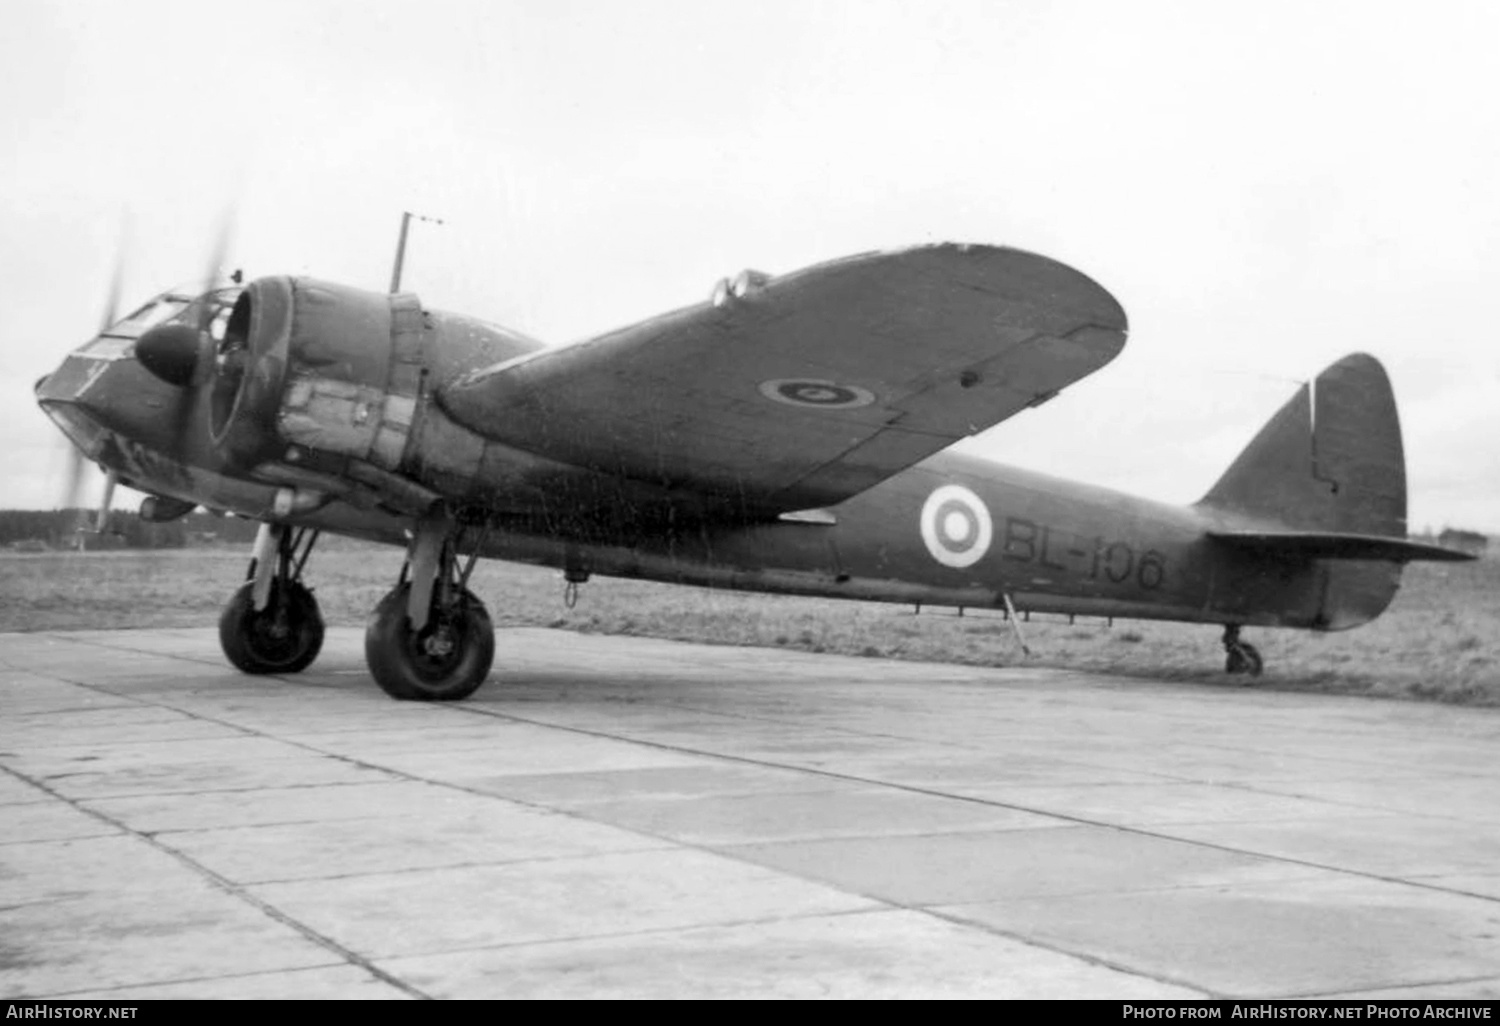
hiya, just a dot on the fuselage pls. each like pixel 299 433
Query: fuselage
pixel 1046 544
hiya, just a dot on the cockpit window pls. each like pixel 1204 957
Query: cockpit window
pixel 163 308
pixel 173 306
pixel 221 303
pixel 108 347
pixel 220 322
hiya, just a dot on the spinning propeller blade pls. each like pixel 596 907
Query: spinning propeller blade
pixel 73 475
pixel 175 352
pixel 180 353
pixel 75 464
pixel 212 274
pixel 112 298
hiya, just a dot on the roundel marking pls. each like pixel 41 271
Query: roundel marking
pixel 956 526
pixel 828 395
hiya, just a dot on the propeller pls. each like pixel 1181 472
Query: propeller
pixel 182 354
pixel 75 463
pixel 77 475
pixel 73 475
pixel 112 298
pixel 178 353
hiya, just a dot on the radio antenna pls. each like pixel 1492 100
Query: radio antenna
pixel 406 218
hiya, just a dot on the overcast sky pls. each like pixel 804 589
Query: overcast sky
pixel 1264 186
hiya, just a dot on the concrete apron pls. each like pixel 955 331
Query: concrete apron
pixel 620 817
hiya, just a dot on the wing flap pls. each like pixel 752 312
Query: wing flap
pixel 1327 545
pixel 811 387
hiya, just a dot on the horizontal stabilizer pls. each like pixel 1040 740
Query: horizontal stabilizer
pixel 1333 545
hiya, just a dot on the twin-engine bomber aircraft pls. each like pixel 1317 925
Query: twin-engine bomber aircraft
pixel 785 436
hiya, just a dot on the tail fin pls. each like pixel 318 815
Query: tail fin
pixel 1321 494
pixel 1329 461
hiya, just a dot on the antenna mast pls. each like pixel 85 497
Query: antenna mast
pixel 406 216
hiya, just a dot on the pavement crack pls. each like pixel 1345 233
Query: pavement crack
pixel 933 792
pixel 227 886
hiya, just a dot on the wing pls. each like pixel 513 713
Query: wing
pixel 802 390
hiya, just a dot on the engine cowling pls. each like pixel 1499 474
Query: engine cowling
pixel 317 366
pixel 314 381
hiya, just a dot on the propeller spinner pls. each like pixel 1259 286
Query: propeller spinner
pixel 173 352
pixel 181 354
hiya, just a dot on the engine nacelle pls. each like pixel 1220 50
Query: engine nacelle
pixel 288 342
pixel 315 375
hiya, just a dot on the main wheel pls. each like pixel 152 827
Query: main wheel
pixel 445 661
pixel 284 637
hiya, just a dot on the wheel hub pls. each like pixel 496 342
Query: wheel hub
pixel 439 644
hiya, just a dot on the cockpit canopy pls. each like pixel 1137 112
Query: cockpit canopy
pixel 173 306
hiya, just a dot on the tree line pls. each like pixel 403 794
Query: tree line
pixel 59 529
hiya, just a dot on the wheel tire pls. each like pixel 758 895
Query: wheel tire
pixel 446 661
pixel 1243 658
pixel 1253 663
pixel 285 637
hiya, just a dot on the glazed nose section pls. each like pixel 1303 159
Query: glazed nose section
pixel 69 396
pixel 66 384
pixel 72 416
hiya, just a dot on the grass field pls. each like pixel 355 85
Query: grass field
pixel 1440 640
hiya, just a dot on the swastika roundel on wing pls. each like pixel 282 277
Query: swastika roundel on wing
pixel 956 526
pixel 828 395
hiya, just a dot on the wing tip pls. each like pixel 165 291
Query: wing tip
pixel 1047 272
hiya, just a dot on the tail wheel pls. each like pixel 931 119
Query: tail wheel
pixel 445 661
pixel 1243 658
pixel 284 637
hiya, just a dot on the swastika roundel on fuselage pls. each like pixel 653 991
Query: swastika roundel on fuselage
pixel 956 526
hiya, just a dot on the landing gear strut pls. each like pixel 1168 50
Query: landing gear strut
pixel 1242 656
pixel 272 623
pixel 430 639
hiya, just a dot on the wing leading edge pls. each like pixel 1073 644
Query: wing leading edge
pixel 803 390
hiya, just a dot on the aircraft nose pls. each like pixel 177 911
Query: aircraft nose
pixel 63 397
pixel 68 382
pixel 75 421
